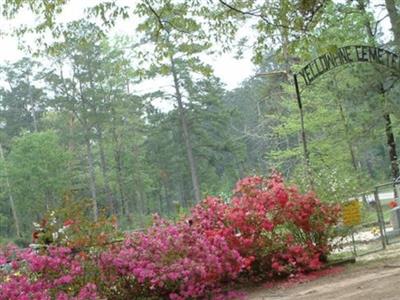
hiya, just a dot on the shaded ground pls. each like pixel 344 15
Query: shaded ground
pixel 371 278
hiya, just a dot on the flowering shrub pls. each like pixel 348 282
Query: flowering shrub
pixel 56 275
pixel 280 230
pixel 170 261
pixel 267 229
pixel 71 226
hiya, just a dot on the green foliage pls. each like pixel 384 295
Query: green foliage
pixel 47 10
pixel 83 122
pixel 38 173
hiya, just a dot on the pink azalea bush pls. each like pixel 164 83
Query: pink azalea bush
pixel 277 228
pixel 266 230
pixel 171 261
pixel 57 274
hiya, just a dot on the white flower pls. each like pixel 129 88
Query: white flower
pixel 62 229
pixel 36 225
pixel 55 235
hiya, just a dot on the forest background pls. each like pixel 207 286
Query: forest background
pixel 140 123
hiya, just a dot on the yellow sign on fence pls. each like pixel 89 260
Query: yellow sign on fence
pixel 351 213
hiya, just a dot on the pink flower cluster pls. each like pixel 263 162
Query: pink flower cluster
pixel 52 275
pixel 266 230
pixel 174 261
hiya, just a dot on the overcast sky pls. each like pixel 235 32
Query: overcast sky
pixel 229 69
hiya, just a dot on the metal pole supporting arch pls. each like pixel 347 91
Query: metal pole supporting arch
pixel 328 61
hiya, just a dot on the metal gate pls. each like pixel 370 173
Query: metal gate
pixel 362 230
pixel 385 195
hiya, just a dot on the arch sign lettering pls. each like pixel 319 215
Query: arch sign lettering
pixel 341 56
pixel 347 55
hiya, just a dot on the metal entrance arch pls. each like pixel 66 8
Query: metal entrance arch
pixel 330 60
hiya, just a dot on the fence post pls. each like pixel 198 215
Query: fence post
pixel 381 220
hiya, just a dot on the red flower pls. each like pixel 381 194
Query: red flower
pixel 315 263
pixel 392 204
pixel 277 267
pixel 68 222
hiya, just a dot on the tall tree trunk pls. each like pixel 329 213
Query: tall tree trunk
pixel 72 163
pixel 119 166
pixel 35 126
pixel 348 139
pixel 167 199
pixel 141 203
pixel 391 146
pixel 394 17
pixel 345 127
pixel 124 203
pixel 391 143
pixel 104 171
pixel 182 198
pixel 92 178
pixel 186 135
pixel 71 129
pixel 160 201
pixel 350 144
pixel 120 184
pixel 284 10
pixel 390 140
pixel 10 196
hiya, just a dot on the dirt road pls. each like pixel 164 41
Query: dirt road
pixel 378 280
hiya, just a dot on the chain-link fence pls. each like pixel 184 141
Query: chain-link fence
pixel 362 229
pixel 388 196
pixel 371 221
